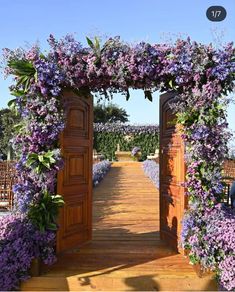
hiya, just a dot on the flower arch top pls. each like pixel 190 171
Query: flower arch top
pixel 201 76
pixel 117 66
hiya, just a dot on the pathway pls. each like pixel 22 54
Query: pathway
pixel 126 252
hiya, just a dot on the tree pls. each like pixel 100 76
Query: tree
pixel 7 121
pixel 109 114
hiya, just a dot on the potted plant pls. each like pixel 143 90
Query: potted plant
pixel 135 153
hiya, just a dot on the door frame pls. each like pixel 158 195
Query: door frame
pixel 163 99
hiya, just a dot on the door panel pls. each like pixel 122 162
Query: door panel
pixel 172 175
pixel 75 180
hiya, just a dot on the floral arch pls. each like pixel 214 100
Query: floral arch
pixel 202 77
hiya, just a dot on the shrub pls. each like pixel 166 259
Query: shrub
pixel 151 169
pixel 107 136
pixel 99 171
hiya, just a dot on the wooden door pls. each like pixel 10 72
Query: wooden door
pixel 172 175
pixel 75 180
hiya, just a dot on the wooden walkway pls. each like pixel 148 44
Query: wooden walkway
pixel 126 253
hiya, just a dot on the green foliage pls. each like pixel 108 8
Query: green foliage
pixel 40 162
pixel 25 72
pixel 95 46
pixel 8 119
pixel 106 143
pixel 193 259
pixel 148 95
pixel 109 114
pixel 45 213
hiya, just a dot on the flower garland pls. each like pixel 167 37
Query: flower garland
pixel 202 77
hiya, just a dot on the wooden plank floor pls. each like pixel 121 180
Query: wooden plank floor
pixel 126 253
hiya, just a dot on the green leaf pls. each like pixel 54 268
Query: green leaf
pixel 56 196
pixel 148 95
pixel 29 162
pixel 43 206
pixel 127 95
pixel 21 65
pixel 22 68
pixel 47 217
pixel 60 202
pixel 48 154
pixel 27 85
pixel 42 56
pixel 46 164
pixel 20 80
pixel 52 226
pixel 41 227
pixel 17 92
pixel 97 44
pixel 52 160
pixel 12 103
pixel 34 155
pixel 90 43
pixel 18 127
pixel 171 84
pixel 40 158
pixel 193 259
pixel 36 76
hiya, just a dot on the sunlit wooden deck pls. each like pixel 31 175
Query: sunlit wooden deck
pixel 126 252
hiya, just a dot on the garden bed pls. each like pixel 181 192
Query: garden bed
pixel 99 171
pixel 151 169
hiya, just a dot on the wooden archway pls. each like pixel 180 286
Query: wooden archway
pixel 75 180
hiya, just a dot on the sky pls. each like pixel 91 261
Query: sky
pixel 24 22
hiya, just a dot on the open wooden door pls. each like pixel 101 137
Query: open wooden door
pixel 75 180
pixel 172 175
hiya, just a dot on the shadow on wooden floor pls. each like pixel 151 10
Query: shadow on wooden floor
pixel 126 253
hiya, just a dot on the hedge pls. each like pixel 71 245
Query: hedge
pixel 107 136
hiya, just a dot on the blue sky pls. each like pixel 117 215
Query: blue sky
pixel 25 22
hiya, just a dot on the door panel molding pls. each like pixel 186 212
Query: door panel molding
pixel 172 175
pixel 74 181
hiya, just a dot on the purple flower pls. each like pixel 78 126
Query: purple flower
pixel 99 171
pixel 151 169
pixel 20 243
pixel 201 75
pixel 126 129
pixel 135 150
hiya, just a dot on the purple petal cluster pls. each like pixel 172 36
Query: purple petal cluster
pixel 125 129
pixel 135 150
pixel 227 273
pixel 20 243
pixel 99 171
pixel 49 77
pixel 151 169
pixel 212 242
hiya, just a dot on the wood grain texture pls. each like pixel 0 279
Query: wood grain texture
pixel 172 175
pixel 126 253
pixel 75 180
